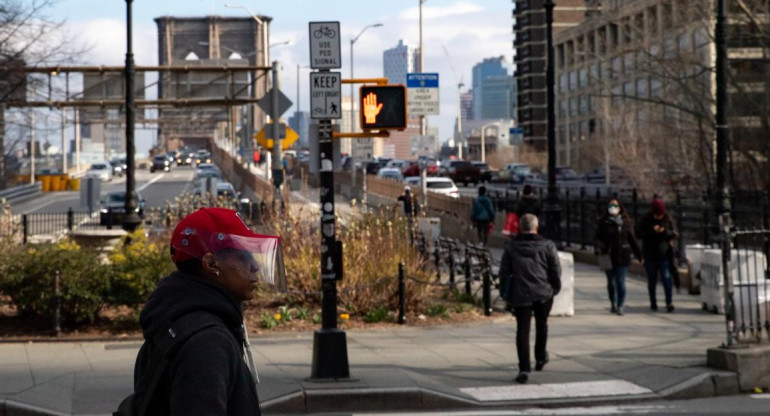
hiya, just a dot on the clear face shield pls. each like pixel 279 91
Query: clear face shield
pixel 260 257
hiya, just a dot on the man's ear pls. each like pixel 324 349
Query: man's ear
pixel 209 263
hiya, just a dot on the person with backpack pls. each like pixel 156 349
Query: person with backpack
pixel 192 360
pixel 482 214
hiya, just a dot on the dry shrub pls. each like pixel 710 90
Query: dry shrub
pixel 373 245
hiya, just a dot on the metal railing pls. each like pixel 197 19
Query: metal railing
pixel 747 301
pixel 54 224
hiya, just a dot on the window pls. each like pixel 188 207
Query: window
pixel 617 67
pixel 628 91
pixel 628 62
pixel 563 85
pixel 641 87
pixel 572 80
pixel 684 43
pixel 573 106
pixel 654 87
pixel 582 78
pixel 583 104
pixel 594 73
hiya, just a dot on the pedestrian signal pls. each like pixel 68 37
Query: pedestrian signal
pixel 383 107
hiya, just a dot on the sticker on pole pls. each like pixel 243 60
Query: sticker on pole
pixel 325 95
pixel 325 45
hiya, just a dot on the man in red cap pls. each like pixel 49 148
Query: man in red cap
pixel 195 340
pixel 656 230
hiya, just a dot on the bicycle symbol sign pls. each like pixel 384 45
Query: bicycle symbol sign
pixel 325 45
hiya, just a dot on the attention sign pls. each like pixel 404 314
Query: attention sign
pixel 422 94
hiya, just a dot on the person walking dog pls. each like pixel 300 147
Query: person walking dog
pixel 530 276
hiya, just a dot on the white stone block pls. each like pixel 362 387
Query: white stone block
pixel 564 302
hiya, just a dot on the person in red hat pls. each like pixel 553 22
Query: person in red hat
pixel 656 229
pixel 194 319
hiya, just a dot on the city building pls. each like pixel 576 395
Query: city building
pixel 530 59
pixel 496 98
pixel 496 136
pixel 635 86
pixel 466 105
pixel 396 63
pixel 483 72
pixel 300 122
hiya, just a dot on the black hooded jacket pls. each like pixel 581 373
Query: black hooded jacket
pixel 208 375
pixel 529 270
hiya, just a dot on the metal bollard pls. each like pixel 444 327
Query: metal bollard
pixel 437 259
pixel 581 212
pixel 109 218
pixel 57 303
pixel 25 228
pixel 451 261
pixel 487 289
pixel 401 295
pixel 468 288
pixel 70 219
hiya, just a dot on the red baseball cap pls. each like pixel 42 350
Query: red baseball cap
pixel 209 230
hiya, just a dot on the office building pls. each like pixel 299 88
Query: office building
pixel 530 59
pixel 482 72
pixel 299 122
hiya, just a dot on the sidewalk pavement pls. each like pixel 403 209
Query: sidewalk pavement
pixel 596 357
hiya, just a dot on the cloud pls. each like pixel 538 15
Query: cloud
pixel 106 39
pixel 432 12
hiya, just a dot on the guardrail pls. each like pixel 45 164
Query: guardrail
pixel 20 191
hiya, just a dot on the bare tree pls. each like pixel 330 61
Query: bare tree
pixel 29 36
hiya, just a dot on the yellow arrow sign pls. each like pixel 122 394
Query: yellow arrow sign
pixel 262 140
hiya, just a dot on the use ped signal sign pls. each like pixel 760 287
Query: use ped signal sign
pixel 325 45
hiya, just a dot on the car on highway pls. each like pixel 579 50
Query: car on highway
pixel 515 173
pixel 160 163
pixel 186 156
pixel 401 165
pixel 207 173
pixel 617 176
pixel 566 173
pixel 226 193
pixel 391 173
pixel 486 173
pixel 202 156
pixel 412 181
pixel 444 186
pixel 112 208
pixel 207 166
pixel 461 171
pixel 119 166
pixel 101 170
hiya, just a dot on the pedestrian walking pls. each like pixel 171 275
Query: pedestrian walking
pixel 656 229
pixel 482 214
pixel 616 242
pixel 528 203
pixel 530 276
pixel 192 360
pixel 411 206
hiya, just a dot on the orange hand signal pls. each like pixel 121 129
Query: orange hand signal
pixel 371 108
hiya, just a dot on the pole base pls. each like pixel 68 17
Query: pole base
pixel 330 355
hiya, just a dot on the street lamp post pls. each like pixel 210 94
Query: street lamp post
pixel 551 208
pixel 131 220
pixel 352 100
pixel 423 124
pixel 483 139
pixel 722 201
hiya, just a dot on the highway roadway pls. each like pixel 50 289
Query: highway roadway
pixel 155 188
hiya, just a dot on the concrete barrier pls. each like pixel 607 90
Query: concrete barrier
pixel 18 192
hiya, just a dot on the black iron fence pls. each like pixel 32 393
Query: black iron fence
pixel 693 214
pixel 56 223
pixel 747 296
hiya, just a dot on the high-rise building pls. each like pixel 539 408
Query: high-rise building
pixel 497 98
pixel 399 61
pixel 466 105
pixel 482 71
pixel 396 63
pixel 299 122
pixel 530 58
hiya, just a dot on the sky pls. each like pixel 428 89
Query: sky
pixel 470 30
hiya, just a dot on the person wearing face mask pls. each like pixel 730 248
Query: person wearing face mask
pixel 656 229
pixel 196 351
pixel 615 239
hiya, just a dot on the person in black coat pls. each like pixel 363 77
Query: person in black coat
pixel 656 229
pixel 615 238
pixel 530 276
pixel 212 249
pixel 528 203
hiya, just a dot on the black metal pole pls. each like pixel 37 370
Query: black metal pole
pixel 722 202
pixel 330 351
pixel 131 220
pixel 551 208
pixel 401 295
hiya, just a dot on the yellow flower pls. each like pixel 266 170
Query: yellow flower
pixel 344 316
pixel 277 317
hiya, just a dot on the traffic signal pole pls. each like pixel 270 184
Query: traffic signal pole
pixel 276 132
